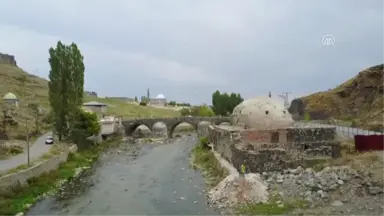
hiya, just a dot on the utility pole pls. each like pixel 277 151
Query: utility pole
pixel 285 98
pixel 23 80
pixel 27 138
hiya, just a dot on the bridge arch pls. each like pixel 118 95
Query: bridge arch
pixel 129 131
pixel 130 125
pixel 221 121
pixel 159 129
pixel 172 127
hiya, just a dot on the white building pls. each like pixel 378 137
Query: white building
pixel 158 101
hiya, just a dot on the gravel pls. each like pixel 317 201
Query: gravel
pixel 331 191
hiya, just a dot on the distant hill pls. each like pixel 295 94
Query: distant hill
pixel 36 91
pixel 358 100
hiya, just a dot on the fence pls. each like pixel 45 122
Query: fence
pixel 364 140
pixel 343 128
pixel 369 143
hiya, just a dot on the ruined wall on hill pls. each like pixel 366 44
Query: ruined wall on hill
pixel 7 59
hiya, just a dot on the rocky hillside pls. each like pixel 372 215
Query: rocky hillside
pixel 34 91
pixel 358 100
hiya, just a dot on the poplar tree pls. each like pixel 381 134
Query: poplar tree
pixel 66 85
pixel 76 90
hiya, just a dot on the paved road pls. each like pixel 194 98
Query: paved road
pixel 136 179
pixel 36 150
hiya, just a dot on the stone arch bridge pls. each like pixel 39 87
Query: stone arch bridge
pixel 131 125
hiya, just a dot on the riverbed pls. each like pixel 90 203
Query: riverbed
pixel 136 179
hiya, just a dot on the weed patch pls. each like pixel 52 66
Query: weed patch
pixel 205 160
pixel 270 208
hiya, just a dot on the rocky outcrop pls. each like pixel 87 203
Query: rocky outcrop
pixel 7 59
pixel 359 99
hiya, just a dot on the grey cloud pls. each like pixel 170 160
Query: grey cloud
pixel 250 47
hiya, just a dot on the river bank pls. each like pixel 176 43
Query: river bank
pixel 20 199
pixel 135 179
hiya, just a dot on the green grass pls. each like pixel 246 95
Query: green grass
pixel 205 160
pixel 124 109
pixel 19 198
pixel 270 208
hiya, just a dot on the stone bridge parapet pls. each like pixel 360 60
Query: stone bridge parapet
pixel 171 123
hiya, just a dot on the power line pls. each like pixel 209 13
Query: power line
pixel 285 96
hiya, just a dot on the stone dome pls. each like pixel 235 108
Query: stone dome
pixel 10 96
pixel 262 113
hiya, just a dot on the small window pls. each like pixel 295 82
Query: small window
pixel 284 111
pixel 266 112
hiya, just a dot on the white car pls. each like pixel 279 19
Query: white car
pixel 49 140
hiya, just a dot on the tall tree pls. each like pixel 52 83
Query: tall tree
pixel 224 103
pixel 57 86
pixel 66 85
pixel 76 77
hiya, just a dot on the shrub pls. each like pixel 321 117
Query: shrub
pixel 14 150
pixel 142 103
pixel 204 142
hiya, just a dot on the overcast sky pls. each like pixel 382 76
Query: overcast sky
pixel 186 49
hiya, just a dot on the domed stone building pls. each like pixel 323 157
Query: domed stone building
pixel 11 99
pixel 262 113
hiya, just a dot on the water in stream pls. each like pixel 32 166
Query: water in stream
pixel 136 179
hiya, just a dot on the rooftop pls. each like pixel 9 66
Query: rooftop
pixel 94 103
pixel 10 96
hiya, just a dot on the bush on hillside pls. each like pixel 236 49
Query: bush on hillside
pixel 142 103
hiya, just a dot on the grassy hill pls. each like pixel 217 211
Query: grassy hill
pixel 36 91
pixel 358 100
pixel 130 110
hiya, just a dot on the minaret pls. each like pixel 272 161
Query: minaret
pixel 148 96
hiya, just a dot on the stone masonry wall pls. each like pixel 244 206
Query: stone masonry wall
pixel 263 150
pixel 20 178
pixel 7 59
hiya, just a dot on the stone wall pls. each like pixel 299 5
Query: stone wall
pixel 20 178
pixel 273 150
pixel 7 59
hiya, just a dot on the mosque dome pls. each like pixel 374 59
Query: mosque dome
pixel 160 96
